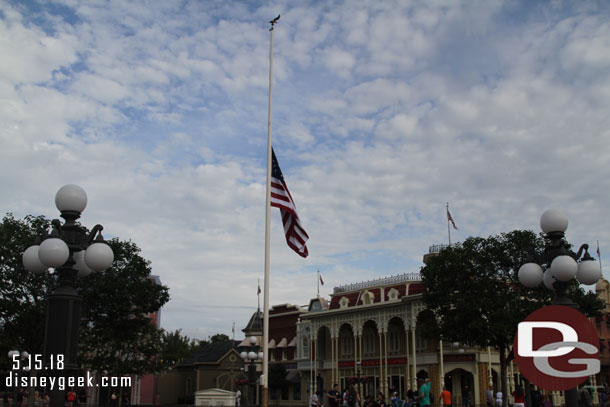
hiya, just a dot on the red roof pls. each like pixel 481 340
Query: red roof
pixel 356 296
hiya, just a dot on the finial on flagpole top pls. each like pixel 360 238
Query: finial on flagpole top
pixel 273 22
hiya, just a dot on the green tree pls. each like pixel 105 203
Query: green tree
pixel 218 338
pixel 22 303
pixel 175 347
pixel 474 297
pixel 116 334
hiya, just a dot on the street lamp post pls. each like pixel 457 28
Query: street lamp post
pixel 562 267
pixel 252 354
pixel 73 252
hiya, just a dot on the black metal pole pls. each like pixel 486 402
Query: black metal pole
pixel 63 312
pixel 251 384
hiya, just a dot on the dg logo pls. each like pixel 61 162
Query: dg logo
pixel 556 348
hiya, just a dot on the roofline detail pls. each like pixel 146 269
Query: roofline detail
pixel 400 278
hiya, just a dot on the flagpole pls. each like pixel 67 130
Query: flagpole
pixel 448 228
pixel 265 376
pixel 318 283
pixel 599 257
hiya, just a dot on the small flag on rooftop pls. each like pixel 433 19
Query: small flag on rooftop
pixel 450 219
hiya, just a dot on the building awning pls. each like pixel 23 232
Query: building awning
pixel 283 343
pixel 272 344
pixel 293 343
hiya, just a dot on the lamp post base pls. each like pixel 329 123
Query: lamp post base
pixel 61 337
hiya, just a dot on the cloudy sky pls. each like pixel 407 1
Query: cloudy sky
pixel 383 111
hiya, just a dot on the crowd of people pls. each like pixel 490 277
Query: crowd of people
pixel 423 398
pixel 350 397
pixel 20 398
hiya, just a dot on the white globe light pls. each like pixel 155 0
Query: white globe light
pixel 53 252
pixel 553 220
pixel 244 355
pixel 530 275
pixel 31 261
pixel 564 268
pixel 548 279
pixel 71 198
pixel 12 353
pixel 99 256
pixel 261 355
pixel 252 355
pixel 24 355
pixel 253 340
pixel 589 272
pixel 81 265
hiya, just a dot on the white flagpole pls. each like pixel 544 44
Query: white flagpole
pixel 448 229
pixel 599 256
pixel 265 378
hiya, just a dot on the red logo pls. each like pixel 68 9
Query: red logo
pixel 557 348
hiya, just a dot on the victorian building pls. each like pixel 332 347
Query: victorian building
pixel 367 334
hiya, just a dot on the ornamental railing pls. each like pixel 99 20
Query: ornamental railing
pixel 437 248
pixel 401 278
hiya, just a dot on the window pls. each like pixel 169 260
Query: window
pixel 393 294
pixel 368 339
pixel 346 343
pixel 296 391
pixel 343 302
pixel 394 339
pixel 420 342
pixel 368 297
pixel 305 346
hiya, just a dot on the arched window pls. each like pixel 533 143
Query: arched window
pixel 305 346
pixel 368 341
pixel 393 294
pixel 347 341
pixel 368 297
pixel 394 339
pixel 343 302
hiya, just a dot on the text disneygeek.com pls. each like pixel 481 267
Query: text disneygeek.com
pixel 66 382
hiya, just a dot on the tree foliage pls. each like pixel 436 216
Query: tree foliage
pixel 116 333
pixel 22 304
pixel 176 347
pixel 474 296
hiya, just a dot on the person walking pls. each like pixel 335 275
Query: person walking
pixel 445 397
pixel 334 396
pixel 499 399
pixel 423 392
pixel 519 396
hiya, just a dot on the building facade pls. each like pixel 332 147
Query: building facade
pixel 367 335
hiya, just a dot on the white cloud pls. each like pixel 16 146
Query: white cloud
pixel 383 112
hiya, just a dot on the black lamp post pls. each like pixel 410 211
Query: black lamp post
pixel 562 266
pixel 252 354
pixel 72 252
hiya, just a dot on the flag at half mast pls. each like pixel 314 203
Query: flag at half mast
pixel 296 237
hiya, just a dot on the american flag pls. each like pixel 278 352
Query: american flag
pixel 450 219
pixel 296 237
pixel 321 281
pixel 599 256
